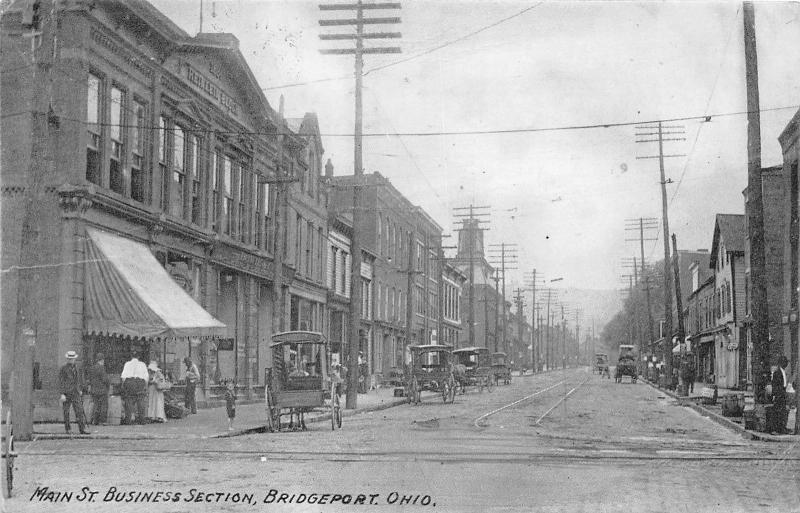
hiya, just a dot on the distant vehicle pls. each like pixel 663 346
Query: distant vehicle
pixel 601 365
pixel 431 368
pixel 626 366
pixel 501 368
pixel 473 368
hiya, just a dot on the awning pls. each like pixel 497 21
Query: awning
pixel 129 293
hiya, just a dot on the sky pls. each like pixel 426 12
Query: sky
pixel 563 196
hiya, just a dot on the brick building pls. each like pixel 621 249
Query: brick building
pixel 165 145
pixel 406 243
pixel 790 145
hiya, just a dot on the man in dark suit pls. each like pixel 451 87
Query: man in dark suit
pixel 70 382
pixel 98 387
pixel 779 383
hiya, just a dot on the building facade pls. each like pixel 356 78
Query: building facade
pixel 790 319
pixel 162 140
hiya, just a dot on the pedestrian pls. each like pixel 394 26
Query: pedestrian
pixel 777 389
pixel 134 389
pixel 98 387
pixel 230 402
pixel 155 394
pixel 690 377
pixel 192 377
pixel 70 382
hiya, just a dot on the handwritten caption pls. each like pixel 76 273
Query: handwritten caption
pixel 269 496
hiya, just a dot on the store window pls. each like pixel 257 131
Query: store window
pixel 93 127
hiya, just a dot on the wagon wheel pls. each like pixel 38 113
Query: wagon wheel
pixel 452 393
pixel 336 409
pixel 9 455
pixel 489 384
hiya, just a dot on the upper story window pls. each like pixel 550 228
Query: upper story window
pixel 178 186
pixel 196 171
pixel 163 165
pixel 93 126
pixel 243 175
pixel 137 152
pixel 116 175
pixel 214 170
pixel 227 190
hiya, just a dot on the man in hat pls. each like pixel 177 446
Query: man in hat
pixel 192 378
pixel 134 389
pixel 70 382
pixel 98 387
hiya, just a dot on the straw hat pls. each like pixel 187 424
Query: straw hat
pixel 153 366
pixel 71 355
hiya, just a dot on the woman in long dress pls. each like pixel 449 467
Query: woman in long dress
pixel 155 394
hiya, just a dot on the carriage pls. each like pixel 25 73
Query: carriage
pixel 626 366
pixel 601 365
pixel 431 368
pixel 501 370
pixel 300 380
pixel 473 367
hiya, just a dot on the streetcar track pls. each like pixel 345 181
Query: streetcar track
pixel 478 420
pixel 545 414
pixel 440 456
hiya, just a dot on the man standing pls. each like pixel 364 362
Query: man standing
pixel 134 389
pixel 71 385
pixel 98 387
pixel 779 383
pixel 192 377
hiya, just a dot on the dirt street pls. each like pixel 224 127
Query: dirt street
pixel 608 447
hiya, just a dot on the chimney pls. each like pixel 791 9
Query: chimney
pixel 328 169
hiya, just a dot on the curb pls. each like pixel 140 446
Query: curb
pixel 719 419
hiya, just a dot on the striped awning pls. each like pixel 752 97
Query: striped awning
pixel 128 293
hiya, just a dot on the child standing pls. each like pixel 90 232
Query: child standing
pixel 230 403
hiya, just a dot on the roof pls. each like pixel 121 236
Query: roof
pixel 294 337
pixel 731 228
pixel 431 348
pixel 472 350
pixel 129 294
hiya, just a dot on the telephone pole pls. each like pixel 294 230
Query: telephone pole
pixel 519 300
pixel 508 255
pixel 755 208
pixel 534 309
pixel 470 228
pixel 641 224
pixel 358 168
pixel 660 139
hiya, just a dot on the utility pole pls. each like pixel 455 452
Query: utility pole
pixel 660 133
pixel 410 285
pixel 470 225
pixel 563 339
pixel 755 208
pixel 496 279
pixel 519 300
pixel 678 301
pixel 534 309
pixel 358 168
pixel 508 255
pixel 30 281
pixel 578 314
pixel 547 334
pixel 640 225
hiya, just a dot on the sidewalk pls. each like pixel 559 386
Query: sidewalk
pixel 211 422
pixel 714 412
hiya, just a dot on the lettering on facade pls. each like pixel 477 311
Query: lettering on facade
pixel 210 88
pixel 106 41
pixel 246 262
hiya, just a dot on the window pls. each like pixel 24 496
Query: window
pixel 380 233
pixel 162 161
pixel 227 191
pixel 93 126
pixel 196 171
pixel 214 190
pixel 176 193
pixel 243 174
pixel 116 175
pixel 298 244
pixel 310 233
pixel 137 152
pixel 259 208
pixel 320 246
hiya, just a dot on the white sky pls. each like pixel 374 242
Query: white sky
pixel 559 64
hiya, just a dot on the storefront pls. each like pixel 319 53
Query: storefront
pixel 131 303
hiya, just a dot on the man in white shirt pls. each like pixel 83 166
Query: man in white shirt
pixel 134 389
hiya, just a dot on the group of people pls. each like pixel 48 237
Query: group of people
pixel 142 390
